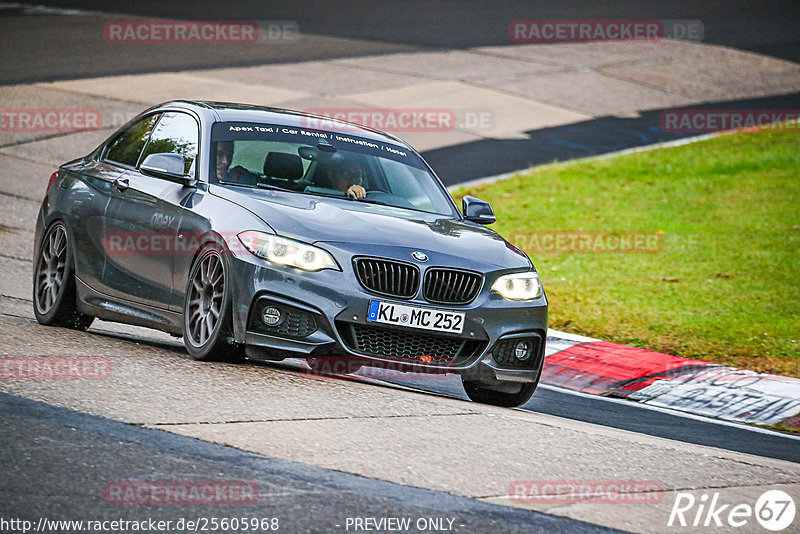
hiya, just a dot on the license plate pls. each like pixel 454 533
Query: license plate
pixel 415 317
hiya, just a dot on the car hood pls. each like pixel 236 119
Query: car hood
pixel 362 228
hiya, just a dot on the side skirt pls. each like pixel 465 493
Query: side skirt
pixel 117 310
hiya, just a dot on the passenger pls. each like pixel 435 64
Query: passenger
pixel 348 177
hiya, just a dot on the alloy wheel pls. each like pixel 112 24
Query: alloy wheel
pixel 52 265
pixel 206 292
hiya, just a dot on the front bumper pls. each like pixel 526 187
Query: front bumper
pixel 326 312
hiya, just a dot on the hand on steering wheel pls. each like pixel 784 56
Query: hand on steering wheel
pixel 356 191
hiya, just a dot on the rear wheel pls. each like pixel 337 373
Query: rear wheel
pixel 504 395
pixel 54 296
pixel 207 317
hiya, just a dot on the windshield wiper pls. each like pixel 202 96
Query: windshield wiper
pixel 381 203
pixel 259 185
pixel 373 201
pixel 274 187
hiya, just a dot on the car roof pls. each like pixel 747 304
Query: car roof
pixel 232 112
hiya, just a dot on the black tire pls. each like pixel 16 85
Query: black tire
pixel 207 316
pixel 54 295
pixel 478 392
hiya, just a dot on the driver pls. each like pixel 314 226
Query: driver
pixel 348 177
pixel 238 174
pixel 224 158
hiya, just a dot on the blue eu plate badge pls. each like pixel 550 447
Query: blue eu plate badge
pixel 373 310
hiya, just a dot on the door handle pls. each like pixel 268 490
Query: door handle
pixel 121 184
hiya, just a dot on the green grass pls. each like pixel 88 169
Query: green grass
pixel 725 286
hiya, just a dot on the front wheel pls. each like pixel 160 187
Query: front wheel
pixel 207 317
pixel 54 296
pixel 505 397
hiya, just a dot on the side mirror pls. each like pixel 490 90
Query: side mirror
pixel 477 210
pixel 167 166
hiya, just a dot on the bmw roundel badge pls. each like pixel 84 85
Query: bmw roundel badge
pixel 419 256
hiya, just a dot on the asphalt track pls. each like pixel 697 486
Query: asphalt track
pixel 42 48
pixel 626 415
pixel 57 459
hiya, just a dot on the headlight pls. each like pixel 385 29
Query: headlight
pixel 284 251
pixel 519 286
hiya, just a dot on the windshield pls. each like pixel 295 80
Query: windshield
pixel 331 164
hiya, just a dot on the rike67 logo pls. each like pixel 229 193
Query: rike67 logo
pixel 774 510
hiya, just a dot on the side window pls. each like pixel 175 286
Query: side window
pixel 176 133
pixel 128 145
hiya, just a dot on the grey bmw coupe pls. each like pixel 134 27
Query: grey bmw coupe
pixel 270 234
